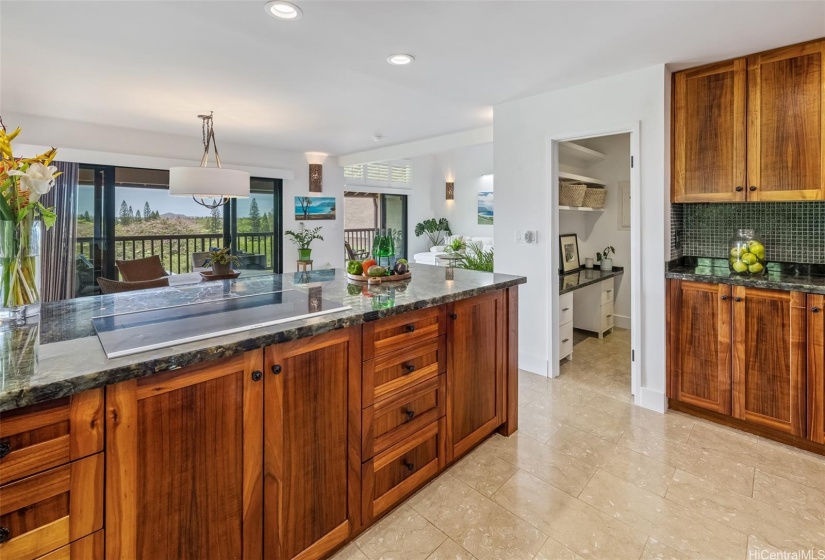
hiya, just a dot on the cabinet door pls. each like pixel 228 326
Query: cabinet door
pixel 769 358
pixel 816 368
pixel 312 444
pixel 699 344
pixel 476 331
pixel 785 124
pixel 709 133
pixel 184 463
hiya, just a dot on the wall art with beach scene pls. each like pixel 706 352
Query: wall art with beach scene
pixel 485 208
pixel 314 208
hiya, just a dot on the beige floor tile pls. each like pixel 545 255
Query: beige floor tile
pixel 403 535
pixel 626 464
pixel 779 528
pixel 535 424
pixel 554 550
pixel 450 550
pixel 668 522
pixel 801 500
pixel 532 381
pixel 655 550
pixel 350 552
pixel 563 471
pixel 483 471
pixel 578 526
pixel 479 525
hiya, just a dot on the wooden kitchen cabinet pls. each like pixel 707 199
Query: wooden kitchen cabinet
pixel 312 465
pixel 184 463
pixel 769 358
pixel 786 121
pixel 816 368
pixel 476 335
pixel 709 133
pixel 699 344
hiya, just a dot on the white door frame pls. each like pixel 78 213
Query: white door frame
pixel 635 246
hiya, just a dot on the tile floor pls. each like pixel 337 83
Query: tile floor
pixel 588 475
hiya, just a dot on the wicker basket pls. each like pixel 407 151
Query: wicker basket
pixel 594 197
pixel 571 193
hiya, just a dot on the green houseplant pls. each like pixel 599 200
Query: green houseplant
pixel 221 261
pixel 433 229
pixel 476 259
pixel 303 238
pixel 605 262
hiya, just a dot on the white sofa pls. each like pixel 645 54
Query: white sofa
pixel 433 256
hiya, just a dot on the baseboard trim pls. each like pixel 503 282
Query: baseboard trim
pixel 533 364
pixel 652 400
pixel 621 321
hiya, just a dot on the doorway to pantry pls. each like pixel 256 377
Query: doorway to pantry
pixel 594 306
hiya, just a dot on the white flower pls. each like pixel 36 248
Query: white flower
pixel 38 179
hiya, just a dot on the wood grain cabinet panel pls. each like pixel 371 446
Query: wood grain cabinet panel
pixel 816 368
pixel 39 437
pixel 786 121
pixel 769 358
pixel 709 133
pixel 476 333
pixel 87 548
pixel 312 444
pixel 389 374
pixel 46 511
pixel 699 344
pixel 400 331
pixel 184 463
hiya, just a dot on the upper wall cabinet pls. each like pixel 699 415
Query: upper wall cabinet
pixel 751 129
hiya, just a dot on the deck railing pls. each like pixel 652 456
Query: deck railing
pixel 175 250
pixel 360 239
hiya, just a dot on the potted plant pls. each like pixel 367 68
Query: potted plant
pixel 606 263
pixel 221 261
pixel 433 229
pixel 477 259
pixel 457 245
pixel 303 238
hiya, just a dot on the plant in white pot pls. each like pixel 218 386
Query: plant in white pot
pixel 221 261
pixel 303 238
pixel 605 262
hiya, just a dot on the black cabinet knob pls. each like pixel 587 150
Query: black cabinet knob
pixel 5 534
pixel 410 414
pixel 724 298
pixel 814 309
pixel 453 316
pixel 739 189
pixel 737 299
pixel 410 466
pixel 257 375
pixel 5 448
pixel 276 369
pixel 410 328
pixel 409 367
pixel 753 187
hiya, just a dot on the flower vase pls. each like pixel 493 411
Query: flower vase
pixel 19 269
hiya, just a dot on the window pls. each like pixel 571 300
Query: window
pixel 396 174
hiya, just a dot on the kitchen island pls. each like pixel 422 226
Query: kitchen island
pixel 283 441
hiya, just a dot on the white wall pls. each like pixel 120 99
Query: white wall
pixel 522 133
pixel 596 230
pixel 91 143
pixel 470 168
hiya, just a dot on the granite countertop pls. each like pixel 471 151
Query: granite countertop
pixel 61 355
pixel 778 276
pixel 586 277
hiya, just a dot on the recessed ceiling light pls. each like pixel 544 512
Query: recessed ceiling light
pixel 283 10
pixel 400 59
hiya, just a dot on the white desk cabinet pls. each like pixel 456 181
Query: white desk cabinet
pixel 566 326
pixel 594 307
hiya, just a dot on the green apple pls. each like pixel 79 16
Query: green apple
pixel 736 252
pixel 756 268
pixel 749 258
pixel 740 267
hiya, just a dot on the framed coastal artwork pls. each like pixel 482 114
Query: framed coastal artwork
pixel 485 208
pixel 314 208
pixel 568 253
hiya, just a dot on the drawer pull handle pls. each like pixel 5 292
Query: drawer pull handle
pixel 566 309
pixel 610 315
pixel 453 316
pixel 410 328
pixel 410 466
pixel 5 447
pixel 409 367
pixel 813 310
pixel 276 369
pixel 608 291
pixel 739 189
pixel 410 414
pixel 5 534
pixel 565 340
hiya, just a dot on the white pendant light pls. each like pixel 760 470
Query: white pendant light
pixel 209 186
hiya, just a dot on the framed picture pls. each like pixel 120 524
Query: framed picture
pixel 314 208
pixel 568 253
pixel 485 208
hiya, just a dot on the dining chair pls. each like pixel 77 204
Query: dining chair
pixel 138 270
pixel 116 287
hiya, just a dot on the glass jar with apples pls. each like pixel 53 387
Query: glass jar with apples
pixel 747 253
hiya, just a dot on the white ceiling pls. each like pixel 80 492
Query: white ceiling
pixel 322 83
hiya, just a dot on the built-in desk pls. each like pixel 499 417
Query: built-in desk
pixel 590 292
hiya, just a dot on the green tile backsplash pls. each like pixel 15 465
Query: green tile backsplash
pixel 791 231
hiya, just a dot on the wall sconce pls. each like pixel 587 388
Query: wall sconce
pixel 450 190
pixel 316 177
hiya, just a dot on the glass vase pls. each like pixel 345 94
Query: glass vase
pixel 19 270
pixel 747 253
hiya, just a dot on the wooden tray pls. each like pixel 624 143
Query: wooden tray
pixel 208 275
pixel 373 280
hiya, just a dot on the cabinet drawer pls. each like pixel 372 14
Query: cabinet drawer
pixel 44 512
pixel 607 291
pixel 566 339
pixel 396 333
pixel 389 374
pixel 607 316
pixel 565 308
pixel 399 417
pixel 394 474
pixel 87 548
pixel 39 437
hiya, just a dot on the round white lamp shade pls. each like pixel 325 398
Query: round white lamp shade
pixel 208 182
